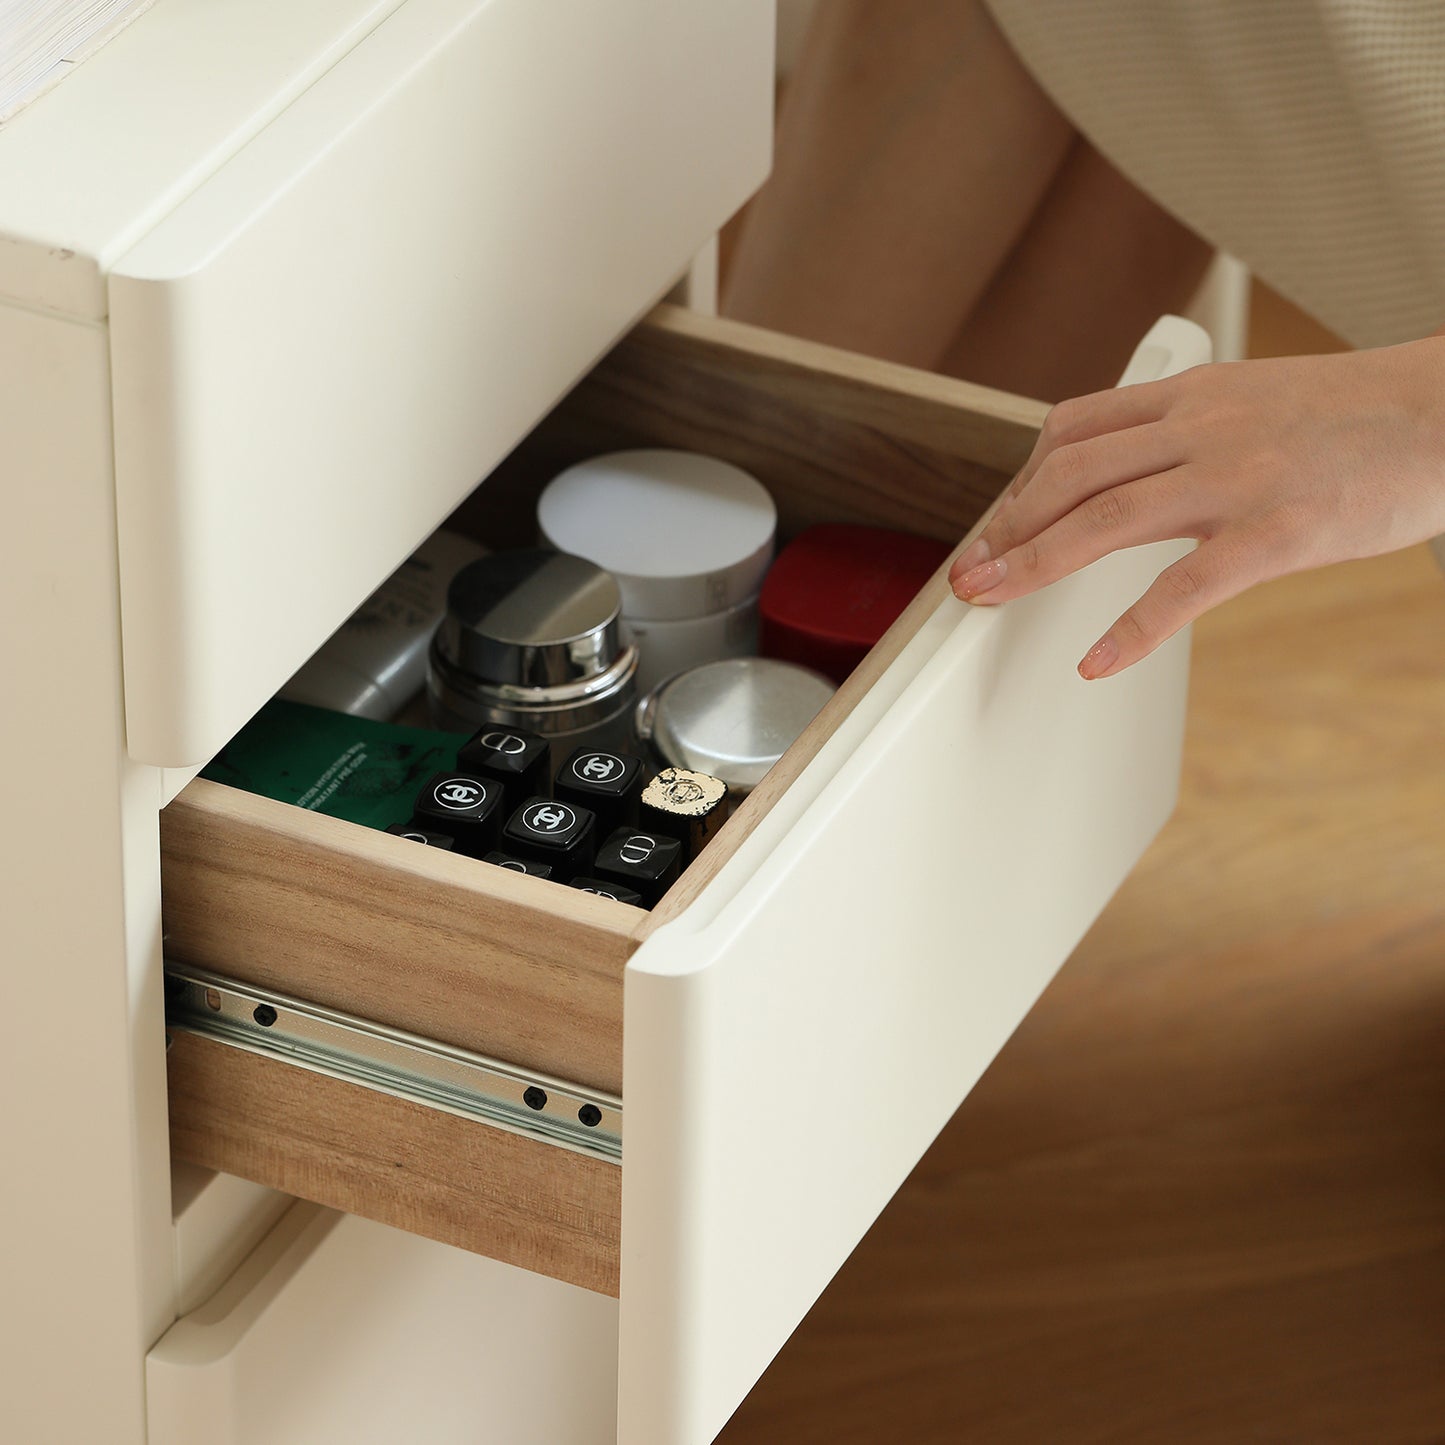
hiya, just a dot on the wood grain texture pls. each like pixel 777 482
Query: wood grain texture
pixel 419 1169
pixel 1200 1197
pixel 832 435
pixel 417 938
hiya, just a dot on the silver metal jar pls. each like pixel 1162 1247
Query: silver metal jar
pixel 732 719
pixel 531 640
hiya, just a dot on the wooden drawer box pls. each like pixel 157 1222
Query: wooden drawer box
pixel 810 1002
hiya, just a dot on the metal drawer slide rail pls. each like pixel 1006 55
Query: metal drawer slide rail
pixel 393 1062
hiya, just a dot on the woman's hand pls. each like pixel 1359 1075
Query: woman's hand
pixel 1272 466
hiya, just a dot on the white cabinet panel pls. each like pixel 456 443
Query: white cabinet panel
pixel 84 1208
pixel 90 167
pixel 337 1331
pixel 217 1220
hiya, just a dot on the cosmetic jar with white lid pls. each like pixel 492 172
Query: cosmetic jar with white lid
pixel 666 647
pixel 731 719
pixel 689 539
pixel 531 639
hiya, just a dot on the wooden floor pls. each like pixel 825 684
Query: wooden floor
pixel 1200 1197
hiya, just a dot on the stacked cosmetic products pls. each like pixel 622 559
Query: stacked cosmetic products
pixel 602 823
pixel 688 539
pixel 560 679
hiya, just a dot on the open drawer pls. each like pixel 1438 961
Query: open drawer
pixel 809 1004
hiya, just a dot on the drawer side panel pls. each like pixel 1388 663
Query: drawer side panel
pixel 419 1169
pixel 835 437
pixel 438 945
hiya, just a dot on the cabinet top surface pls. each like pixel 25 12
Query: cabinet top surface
pixel 92 165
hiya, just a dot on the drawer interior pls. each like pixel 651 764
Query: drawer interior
pixel 500 964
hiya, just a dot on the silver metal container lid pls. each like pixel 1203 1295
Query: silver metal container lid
pixel 533 619
pixel 733 719
pixel 531 639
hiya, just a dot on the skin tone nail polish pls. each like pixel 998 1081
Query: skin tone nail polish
pixel 1099 658
pixel 978 581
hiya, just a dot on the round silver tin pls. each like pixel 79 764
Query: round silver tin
pixel 732 719
pixel 531 639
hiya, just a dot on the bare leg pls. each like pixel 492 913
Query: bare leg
pixel 1099 262
pixel 913 148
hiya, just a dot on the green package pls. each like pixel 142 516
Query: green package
pixel 330 762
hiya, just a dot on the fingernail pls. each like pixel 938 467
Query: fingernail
pixel 980 579
pixel 1099 659
pixel 968 559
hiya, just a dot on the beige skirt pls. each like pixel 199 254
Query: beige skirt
pixel 1305 136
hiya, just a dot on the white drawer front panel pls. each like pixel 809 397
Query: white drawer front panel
pixel 789 1058
pixel 320 351
pixel 796 1040
pixel 337 1331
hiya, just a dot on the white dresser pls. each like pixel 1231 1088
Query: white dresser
pixel 279 283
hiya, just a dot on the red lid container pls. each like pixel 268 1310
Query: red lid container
pixel 836 589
